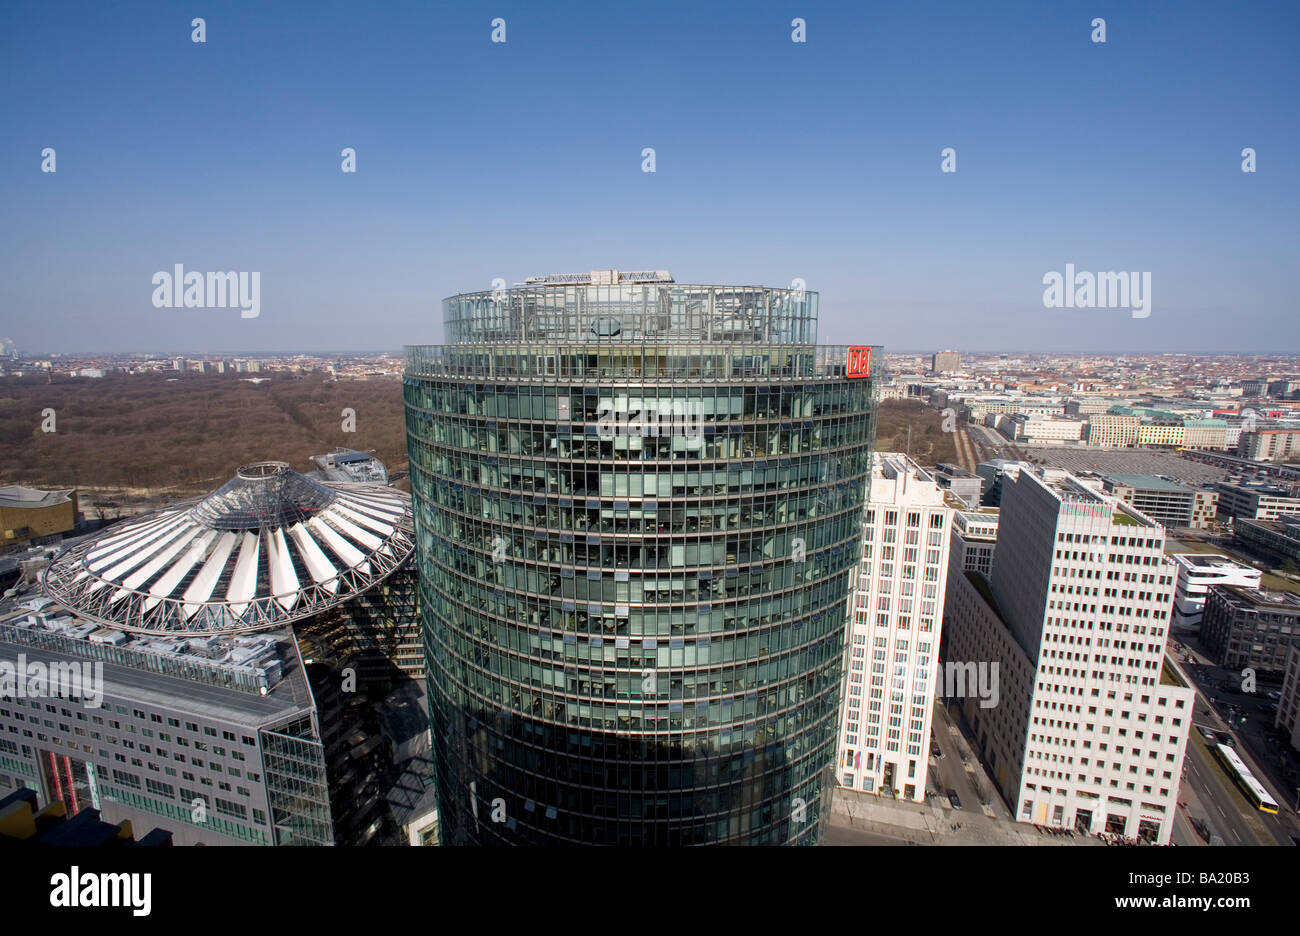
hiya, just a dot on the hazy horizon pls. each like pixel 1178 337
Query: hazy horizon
pixel 774 160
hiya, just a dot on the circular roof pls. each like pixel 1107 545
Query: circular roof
pixel 268 547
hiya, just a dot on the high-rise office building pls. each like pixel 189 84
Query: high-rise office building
pixel 638 504
pixel 895 622
pixel 1088 734
pixel 945 362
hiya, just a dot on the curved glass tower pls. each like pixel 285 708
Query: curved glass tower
pixel 637 504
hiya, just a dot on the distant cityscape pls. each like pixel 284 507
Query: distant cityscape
pixel 655 582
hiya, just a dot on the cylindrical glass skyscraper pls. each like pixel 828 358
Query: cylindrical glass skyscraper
pixel 637 505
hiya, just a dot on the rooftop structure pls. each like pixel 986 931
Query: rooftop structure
pixel 267 548
pixel 611 310
pixel 348 466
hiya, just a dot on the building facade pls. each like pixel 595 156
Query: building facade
pixel 974 537
pixel 1087 734
pixel 1251 500
pixel 1109 430
pixel 1248 627
pixel 1167 502
pixel 1287 718
pixel 1279 539
pixel 895 625
pixel 945 362
pixel 1196 573
pixel 638 506
pixel 207 722
pixel 28 514
pixel 1270 445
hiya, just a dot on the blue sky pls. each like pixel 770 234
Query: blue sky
pixel 774 160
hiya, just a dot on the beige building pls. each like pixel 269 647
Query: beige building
pixel 895 615
pixel 1110 430
pixel 26 513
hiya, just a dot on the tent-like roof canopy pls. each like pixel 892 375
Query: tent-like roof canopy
pixel 268 547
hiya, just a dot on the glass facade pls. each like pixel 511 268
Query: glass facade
pixel 634 559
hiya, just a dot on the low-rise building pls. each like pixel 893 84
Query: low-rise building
pixel 28 514
pixel 1161 435
pixel 964 485
pixel 1165 501
pixel 1254 500
pixel 1249 627
pixel 1113 430
pixel 1197 572
pixel 1209 434
pixel 1278 539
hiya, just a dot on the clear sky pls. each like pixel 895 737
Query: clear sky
pixel 774 160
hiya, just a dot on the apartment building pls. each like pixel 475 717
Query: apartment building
pixel 1271 445
pixel 1161 435
pixel 1111 430
pixel 895 615
pixel 1041 430
pixel 1209 434
pixel 1076 614
pixel 1250 627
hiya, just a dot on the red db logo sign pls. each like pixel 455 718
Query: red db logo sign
pixel 860 362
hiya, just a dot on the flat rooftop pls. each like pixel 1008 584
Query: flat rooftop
pixel 1143 482
pixel 288 697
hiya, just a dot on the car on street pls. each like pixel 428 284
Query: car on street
pixel 954 799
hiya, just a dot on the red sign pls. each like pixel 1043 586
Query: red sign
pixel 860 362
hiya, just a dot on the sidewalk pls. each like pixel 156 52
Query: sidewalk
pixel 932 825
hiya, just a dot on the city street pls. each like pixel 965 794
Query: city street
pixel 1211 794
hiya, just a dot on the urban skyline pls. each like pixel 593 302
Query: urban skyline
pixel 571 424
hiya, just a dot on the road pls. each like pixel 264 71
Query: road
pixel 1221 804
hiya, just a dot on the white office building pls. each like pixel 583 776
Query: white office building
pixel 1076 614
pixel 895 615
pixel 1196 573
